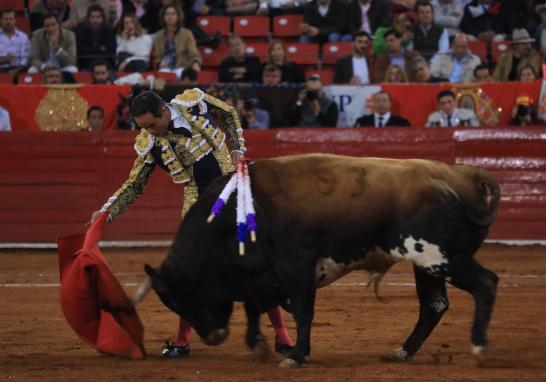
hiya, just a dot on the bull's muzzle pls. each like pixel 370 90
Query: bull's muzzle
pixel 216 337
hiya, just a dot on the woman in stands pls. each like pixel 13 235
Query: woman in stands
pixel 395 74
pixel 174 45
pixel 291 71
pixel 527 74
pixel 133 45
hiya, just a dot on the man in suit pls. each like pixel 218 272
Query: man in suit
pixel 239 66
pixel 53 46
pixel 323 21
pixel 428 38
pixel 95 39
pixel 368 15
pixel 382 113
pixel 395 55
pixel 354 69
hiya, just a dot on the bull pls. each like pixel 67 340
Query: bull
pixel 321 216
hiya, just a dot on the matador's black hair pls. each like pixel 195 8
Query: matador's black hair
pixel 147 102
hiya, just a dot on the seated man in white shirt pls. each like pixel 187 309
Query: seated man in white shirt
pixel 14 44
pixel 382 113
pixel 354 69
pixel 448 115
pixel 458 64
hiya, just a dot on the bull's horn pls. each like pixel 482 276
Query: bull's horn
pixel 142 289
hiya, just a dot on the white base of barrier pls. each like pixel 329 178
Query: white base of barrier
pixel 166 243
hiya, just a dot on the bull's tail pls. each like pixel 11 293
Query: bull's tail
pixel 143 288
pixel 489 197
pixel 482 208
pixel 375 280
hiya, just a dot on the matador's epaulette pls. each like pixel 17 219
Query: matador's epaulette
pixel 191 98
pixel 144 143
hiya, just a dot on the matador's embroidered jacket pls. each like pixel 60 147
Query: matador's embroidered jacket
pixel 179 148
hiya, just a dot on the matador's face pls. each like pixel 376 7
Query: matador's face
pixel 155 125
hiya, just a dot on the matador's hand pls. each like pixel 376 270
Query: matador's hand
pixel 235 156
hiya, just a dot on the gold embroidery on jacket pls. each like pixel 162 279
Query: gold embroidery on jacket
pixel 131 189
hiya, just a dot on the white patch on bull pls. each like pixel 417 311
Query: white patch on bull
pixel 478 351
pixel 439 303
pixel 430 255
pixel 400 354
pixel 327 270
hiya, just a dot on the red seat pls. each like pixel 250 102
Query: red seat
pixel 287 26
pixel 332 51
pixel 83 77
pixel 213 57
pixel 30 78
pixel 251 26
pixel 207 76
pixel 261 50
pixel 6 78
pixel 326 75
pixel 498 48
pixel 479 48
pixel 213 24
pixel 23 23
pixel 16 5
pixel 302 53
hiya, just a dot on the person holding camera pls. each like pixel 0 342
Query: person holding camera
pixel 252 117
pixel 313 108
pixel 524 112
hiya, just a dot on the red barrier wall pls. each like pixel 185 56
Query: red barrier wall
pixel 50 183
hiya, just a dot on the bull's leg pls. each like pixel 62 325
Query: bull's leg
pixel 433 303
pixel 481 283
pixel 302 299
pixel 255 340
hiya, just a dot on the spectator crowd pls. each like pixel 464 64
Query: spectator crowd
pixel 394 41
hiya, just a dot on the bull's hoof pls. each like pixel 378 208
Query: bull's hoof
pixel 217 337
pixel 398 355
pixel 289 363
pixel 480 352
pixel 261 351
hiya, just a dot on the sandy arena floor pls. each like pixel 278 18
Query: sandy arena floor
pixel 351 332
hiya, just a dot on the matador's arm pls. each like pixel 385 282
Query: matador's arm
pixel 229 122
pixel 133 187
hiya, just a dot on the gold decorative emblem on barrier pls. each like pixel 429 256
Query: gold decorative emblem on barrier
pixel 472 97
pixel 62 109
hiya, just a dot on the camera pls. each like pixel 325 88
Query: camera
pixel 523 111
pixel 311 95
pixel 249 105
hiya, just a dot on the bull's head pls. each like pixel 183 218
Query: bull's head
pixel 208 316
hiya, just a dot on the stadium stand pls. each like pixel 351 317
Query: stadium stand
pixel 303 53
pixel 213 24
pixel 287 26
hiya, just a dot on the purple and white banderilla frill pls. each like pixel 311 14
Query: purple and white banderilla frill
pixel 246 215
